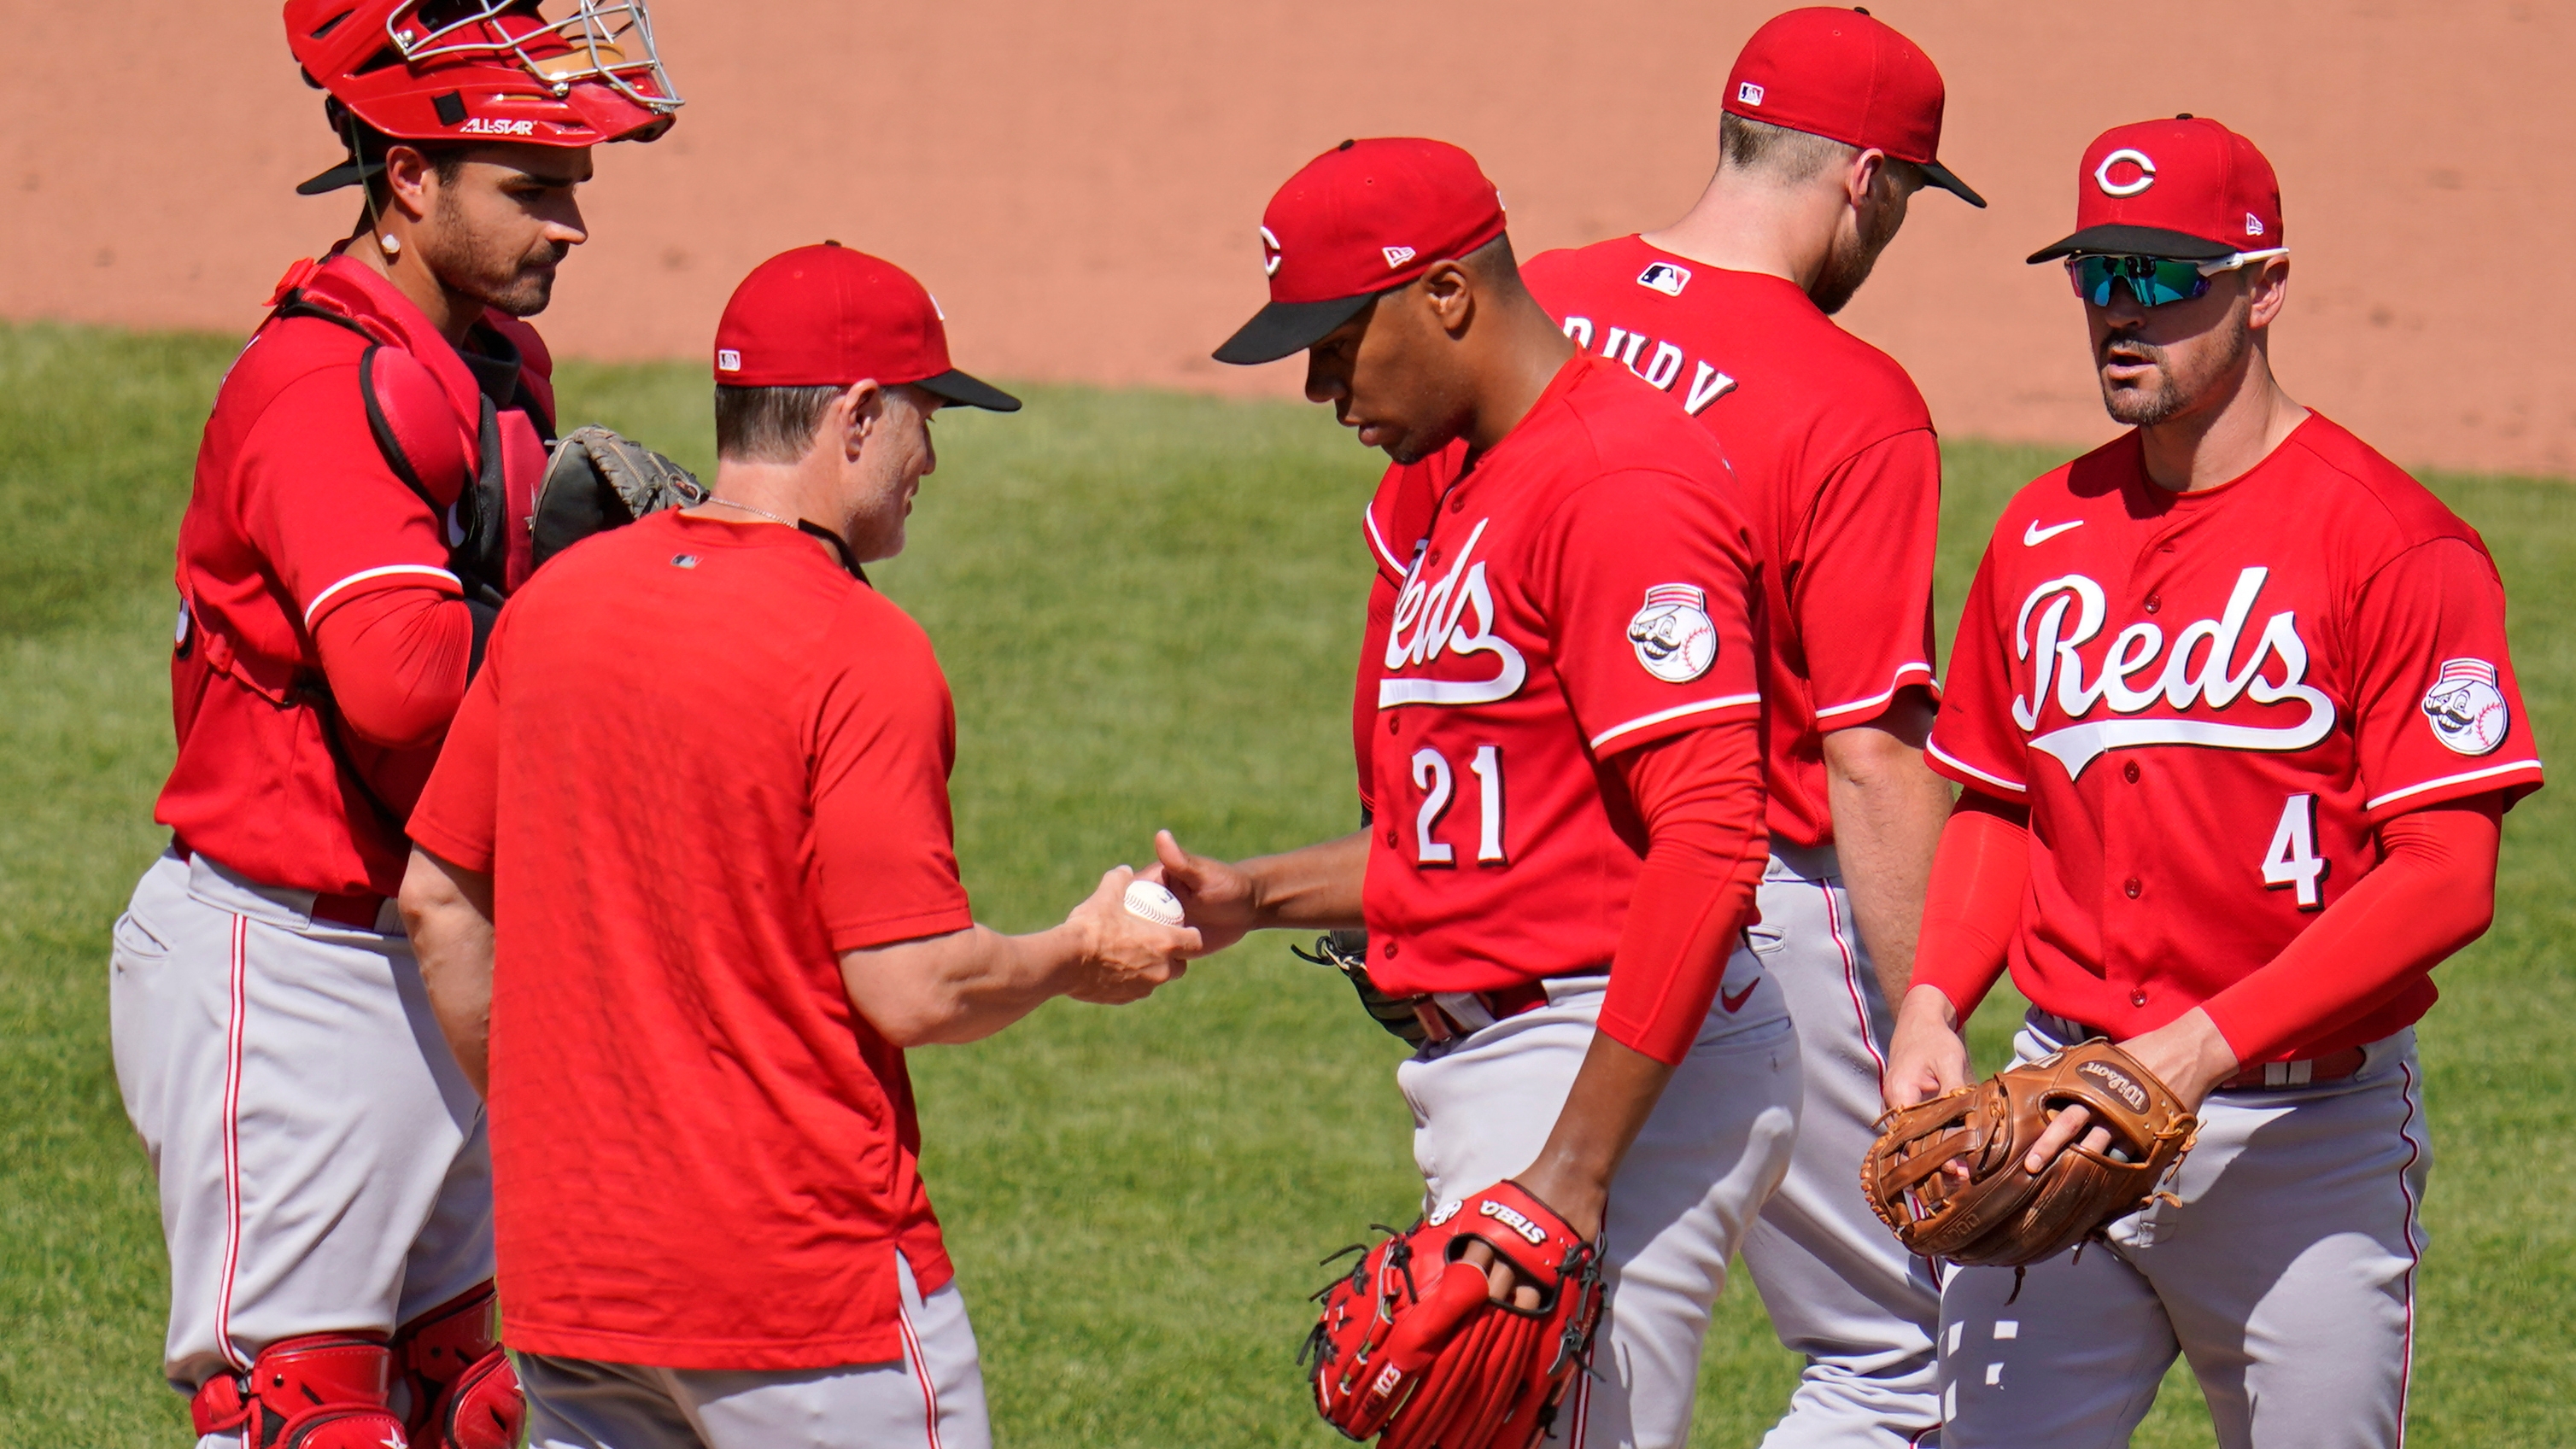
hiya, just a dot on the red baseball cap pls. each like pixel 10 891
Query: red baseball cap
pixel 1847 77
pixel 2188 188
pixel 1363 218
pixel 827 316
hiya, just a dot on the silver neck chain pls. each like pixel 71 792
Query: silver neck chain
pixel 747 508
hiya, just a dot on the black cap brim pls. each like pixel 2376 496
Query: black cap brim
pixel 974 392
pixel 1282 329
pixel 2135 241
pixel 347 173
pixel 1936 174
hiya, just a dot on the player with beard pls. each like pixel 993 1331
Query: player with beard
pixel 1832 120
pixel 360 507
pixel 2234 714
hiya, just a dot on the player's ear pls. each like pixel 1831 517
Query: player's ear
pixel 408 178
pixel 855 415
pixel 2267 289
pixel 1860 177
pixel 1450 290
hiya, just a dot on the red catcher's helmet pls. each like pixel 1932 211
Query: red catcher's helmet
pixel 469 71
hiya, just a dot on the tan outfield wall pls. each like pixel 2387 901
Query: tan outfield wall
pixel 1079 183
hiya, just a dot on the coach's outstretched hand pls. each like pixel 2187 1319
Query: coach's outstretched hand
pixel 1215 897
pixel 1123 955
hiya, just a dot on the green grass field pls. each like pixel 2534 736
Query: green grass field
pixel 1146 605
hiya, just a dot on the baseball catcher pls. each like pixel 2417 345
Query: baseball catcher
pixel 362 505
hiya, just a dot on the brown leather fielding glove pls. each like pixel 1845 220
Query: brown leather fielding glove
pixel 2001 1214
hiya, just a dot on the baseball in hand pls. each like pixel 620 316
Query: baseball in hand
pixel 1147 899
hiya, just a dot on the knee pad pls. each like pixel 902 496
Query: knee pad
pixel 312 1391
pixel 464 1394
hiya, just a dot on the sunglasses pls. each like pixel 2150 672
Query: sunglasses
pixel 2154 281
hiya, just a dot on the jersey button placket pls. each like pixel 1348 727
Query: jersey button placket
pixel 2131 887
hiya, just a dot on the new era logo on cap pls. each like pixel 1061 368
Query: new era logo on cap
pixel 1323 238
pixel 2184 187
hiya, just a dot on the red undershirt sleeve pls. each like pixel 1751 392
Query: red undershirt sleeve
pixel 1700 795
pixel 2432 893
pixel 397 663
pixel 1979 874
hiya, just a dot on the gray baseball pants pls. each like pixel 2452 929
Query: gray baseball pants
pixel 1715 1146
pixel 321 1158
pixel 931 1398
pixel 2285 1276
pixel 1839 1288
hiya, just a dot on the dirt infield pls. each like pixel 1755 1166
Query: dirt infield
pixel 1079 183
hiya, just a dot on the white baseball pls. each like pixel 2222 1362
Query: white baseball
pixel 1147 899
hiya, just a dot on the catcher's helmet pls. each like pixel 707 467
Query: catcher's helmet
pixel 464 71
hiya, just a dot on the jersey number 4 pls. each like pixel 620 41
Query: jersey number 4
pixel 2293 863
pixel 1431 775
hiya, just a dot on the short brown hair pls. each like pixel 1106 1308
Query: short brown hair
pixel 1789 155
pixel 769 424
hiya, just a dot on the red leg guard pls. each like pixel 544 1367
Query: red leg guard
pixel 313 1391
pixel 464 1394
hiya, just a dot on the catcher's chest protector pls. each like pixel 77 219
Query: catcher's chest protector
pixel 2001 1214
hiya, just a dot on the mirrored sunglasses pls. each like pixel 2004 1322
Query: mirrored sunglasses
pixel 2154 281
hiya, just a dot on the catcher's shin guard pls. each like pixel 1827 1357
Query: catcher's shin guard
pixel 464 1394
pixel 312 1391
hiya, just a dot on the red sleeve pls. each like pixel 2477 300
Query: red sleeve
pixel 2438 713
pixel 1863 591
pixel 396 661
pixel 2432 892
pixel 1980 872
pixel 324 509
pixel 885 737
pixel 1973 739
pixel 455 818
pixel 1700 794
pixel 1650 602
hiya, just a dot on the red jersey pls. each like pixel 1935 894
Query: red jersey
pixel 1584 588
pixel 294 513
pixel 2208 701
pixel 702 1155
pixel 1839 471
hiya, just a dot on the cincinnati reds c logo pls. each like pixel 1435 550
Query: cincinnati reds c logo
pixel 1270 250
pixel 2146 172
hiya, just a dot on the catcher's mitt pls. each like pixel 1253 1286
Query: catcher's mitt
pixel 597 481
pixel 2001 1214
pixel 1412 1345
pixel 1347 952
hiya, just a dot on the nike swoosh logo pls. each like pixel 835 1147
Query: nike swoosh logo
pixel 1735 1003
pixel 2034 535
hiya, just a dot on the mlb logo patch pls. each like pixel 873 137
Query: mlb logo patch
pixel 1747 93
pixel 1665 277
pixel 728 360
